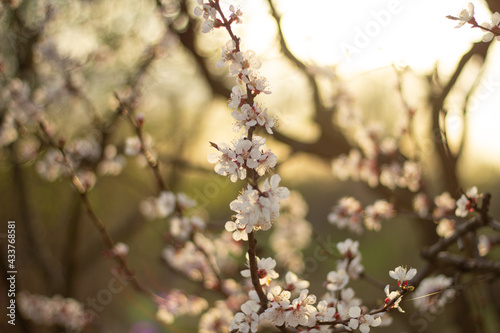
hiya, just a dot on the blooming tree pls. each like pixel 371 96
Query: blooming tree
pixel 248 272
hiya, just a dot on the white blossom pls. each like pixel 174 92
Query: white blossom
pixel 226 163
pixel 337 280
pixel 159 207
pixel 235 14
pixel 348 248
pixel 56 310
pixel 465 15
pixel 247 320
pixel 265 270
pixel 216 319
pixel 120 249
pixel 377 212
pixel 484 245
pixel 256 83
pixel 176 303
pixel 466 203
pixel 403 275
pixel 393 297
pixel 494 26
pixel 208 13
pixel 250 116
pixel 445 205
pixel 259 210
pixel 238 230
pixel 362 322
pixel 237 97
pixel 325 312
pixel 181 227
pixel 421 205
pixel 302 311
pixel 445 227
pixel 279 304
pixel 347 213
pixel 243 63
pixel 228 53
pixel 293 283
pixel 353 266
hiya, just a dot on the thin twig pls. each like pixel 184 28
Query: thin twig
pixel 98 223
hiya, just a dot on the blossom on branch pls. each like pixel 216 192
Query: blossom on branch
pixel 209 14
pixel 494 26
pixel 247 320
pixel 445 205
pixel 279 304
pixel 265 270
pixel 374 214
pixel 465 16
pixel 159 207
pixel 258 210
pixel 250 116
pixel 348 213
pixel 393 298
pixel 362 322
pixel 293 283
pixel 337 280
pixel 302 311
pixel 244 154
pixel 467 202
pixel 403 275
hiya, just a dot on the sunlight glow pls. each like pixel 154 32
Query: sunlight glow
pixel 360 36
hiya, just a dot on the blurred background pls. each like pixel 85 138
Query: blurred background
pixel 335 70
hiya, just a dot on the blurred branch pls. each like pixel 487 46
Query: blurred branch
pixel 470 225
pixel 468 264
pixel 302 67
pixel 72 239
pixel 187 36
pixel 447 161
pixel 98 223
pixel 331 141
pixel 252 258
pixel 25 40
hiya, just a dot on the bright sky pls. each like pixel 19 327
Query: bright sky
pixel 363 35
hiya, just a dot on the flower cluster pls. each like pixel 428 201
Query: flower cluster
pixel 466 16
pixel 216 319
pixel 176 303
pixel 349 213
pixel 165 204
pixel 209 14
pixel 192 262
pixel 467 202
pixel 65 312
pixel 289 304
pixel 256 209
pixel 337 307
pixel 244 154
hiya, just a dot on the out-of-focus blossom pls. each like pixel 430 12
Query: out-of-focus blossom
pixel 433 293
